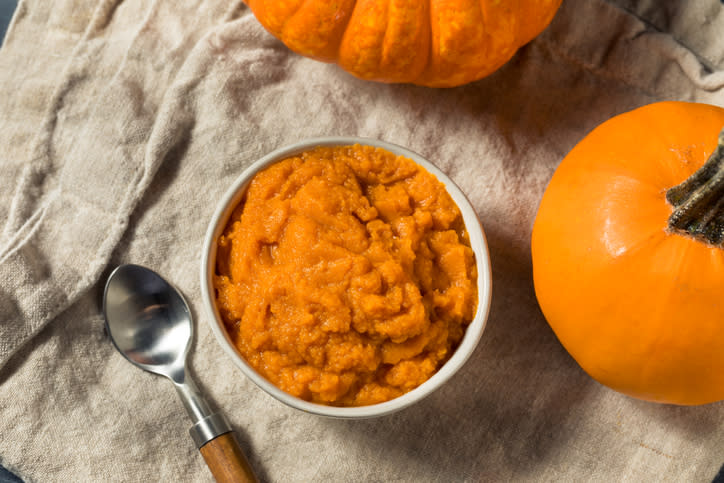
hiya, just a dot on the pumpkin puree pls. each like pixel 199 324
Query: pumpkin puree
pixel 345 276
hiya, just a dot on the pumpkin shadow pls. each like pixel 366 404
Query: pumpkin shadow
pixel 691 423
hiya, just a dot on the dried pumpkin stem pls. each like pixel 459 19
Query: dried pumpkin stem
pixel 699 201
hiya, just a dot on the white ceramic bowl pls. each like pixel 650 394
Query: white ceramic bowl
pixel 472 334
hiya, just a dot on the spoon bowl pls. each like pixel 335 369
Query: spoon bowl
pixel 148 320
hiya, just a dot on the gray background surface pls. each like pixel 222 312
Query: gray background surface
pixel 7 7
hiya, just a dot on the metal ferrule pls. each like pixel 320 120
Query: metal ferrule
pixel 209 428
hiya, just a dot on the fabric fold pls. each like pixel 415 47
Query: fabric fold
pixel 695 24
pixel 85 175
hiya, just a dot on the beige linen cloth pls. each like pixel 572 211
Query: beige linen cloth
pixel 123 122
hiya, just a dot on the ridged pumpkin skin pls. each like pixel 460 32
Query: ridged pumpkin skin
pixel 640 308
pixel 436 43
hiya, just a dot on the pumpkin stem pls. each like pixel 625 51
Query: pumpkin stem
pixel 699 201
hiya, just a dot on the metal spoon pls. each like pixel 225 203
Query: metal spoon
pixel 150 324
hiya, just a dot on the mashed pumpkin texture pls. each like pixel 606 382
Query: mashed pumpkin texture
pixel 345 276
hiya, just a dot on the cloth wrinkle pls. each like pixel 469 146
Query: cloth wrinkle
pixel 40 159
pixel 21 236
pixel 706 13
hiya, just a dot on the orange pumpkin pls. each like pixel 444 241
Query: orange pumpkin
pixel 437 43
pixel 628 253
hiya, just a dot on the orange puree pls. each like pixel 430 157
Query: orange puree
pixel 345 276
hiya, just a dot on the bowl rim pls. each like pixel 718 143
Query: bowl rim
pixel 473 332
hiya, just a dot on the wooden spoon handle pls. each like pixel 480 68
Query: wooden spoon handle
pixel 226 460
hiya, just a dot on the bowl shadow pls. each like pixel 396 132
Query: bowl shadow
pixel 503 411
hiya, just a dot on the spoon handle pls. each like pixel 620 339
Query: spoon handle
pixel 214 437
pixel 226 460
